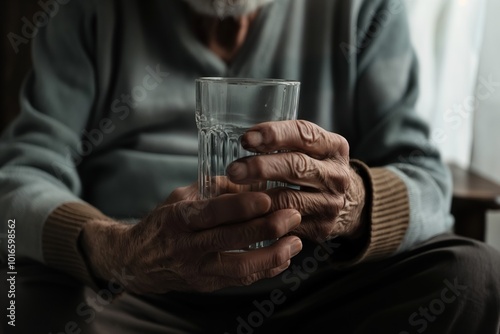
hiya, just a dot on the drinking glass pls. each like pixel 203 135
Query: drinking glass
pixel 225 109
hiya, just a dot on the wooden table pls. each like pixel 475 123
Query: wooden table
pixel 473 196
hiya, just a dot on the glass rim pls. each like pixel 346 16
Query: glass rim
pixel 248 81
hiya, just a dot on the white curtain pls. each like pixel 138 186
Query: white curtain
pixel 447 35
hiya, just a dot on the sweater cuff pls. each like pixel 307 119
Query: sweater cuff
pixel 60 240
pixel 388 211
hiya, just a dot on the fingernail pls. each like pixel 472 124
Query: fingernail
pixel 296 247
pixel 295 220
pixel 237 171
pixel 252 139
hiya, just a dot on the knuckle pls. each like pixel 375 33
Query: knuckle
pixel 208 214
pixel 257 166
pixel 248 280
pixel 276 271
pixel 180 211
pixel 337 180
pixel 337 204
pixel 324 207
pixel 248 232
pixel 232 269
pixel 280 257
pixel 275 229
pixel 309 133
pixel 272 231
pixel 217 240
pixel 302 167
pixel 270 135
pixel 344 180
pixel 343 145
pixel 287 200
pixel 186 212
pixel 178 193
pixel 342 227
pixel 326 180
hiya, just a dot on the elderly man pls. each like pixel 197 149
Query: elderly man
pixel 107 132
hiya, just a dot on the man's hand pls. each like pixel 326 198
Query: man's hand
pixel 182 245
pixel 331 196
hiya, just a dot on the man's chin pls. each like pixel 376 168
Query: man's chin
pixel 226 8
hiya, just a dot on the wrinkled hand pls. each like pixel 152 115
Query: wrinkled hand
pixel 331 196
pixel 182 245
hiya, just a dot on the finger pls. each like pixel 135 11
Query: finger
pixel 317 204
pixel 320 229
pixel 201 283
pixel 221 185
pixel 244 264
pixel 225 209
pixel 239 236
pixel 321 213
pixel 300 136
pixel 214 283
pixel 293 167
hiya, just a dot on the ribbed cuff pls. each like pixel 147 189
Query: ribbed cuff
pixel 388 211
pixel 60 240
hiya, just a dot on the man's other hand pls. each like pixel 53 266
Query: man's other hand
pixel 183 244
pixel 331 196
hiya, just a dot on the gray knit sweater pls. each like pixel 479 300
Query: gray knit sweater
pixel 107 115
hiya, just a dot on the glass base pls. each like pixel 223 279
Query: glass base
pixel 262 244
pixel 257 245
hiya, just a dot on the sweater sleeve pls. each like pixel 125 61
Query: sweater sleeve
pixel 40 151
pixel 408 186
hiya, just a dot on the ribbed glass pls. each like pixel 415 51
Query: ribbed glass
pixel 225 109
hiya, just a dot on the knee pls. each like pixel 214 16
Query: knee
pixel 472 272
pixel 478 264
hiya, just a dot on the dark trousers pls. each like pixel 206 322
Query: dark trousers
pixel 447 285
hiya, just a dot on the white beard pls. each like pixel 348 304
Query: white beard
pixel 226 8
